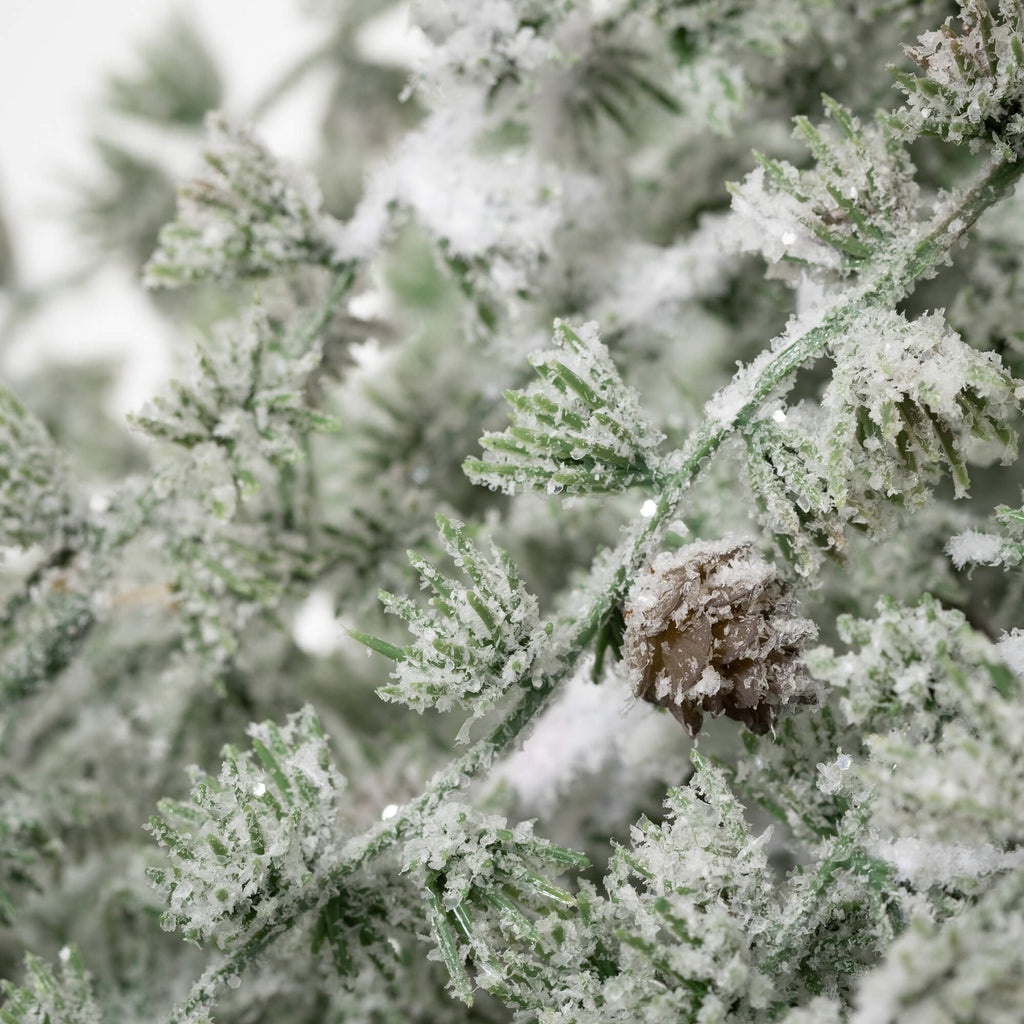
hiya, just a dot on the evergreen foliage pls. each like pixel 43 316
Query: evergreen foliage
pixel 251 839
pixel 48 998
pixel 581 430
pixel 37 502
pixel 248 216
pixel 973 79
pixel 852 205
pixel 475 643
pixel 719 459
pixel 916 397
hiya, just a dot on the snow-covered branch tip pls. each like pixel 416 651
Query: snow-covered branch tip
pixel 245 215
pixel 579 430
pixel 474 643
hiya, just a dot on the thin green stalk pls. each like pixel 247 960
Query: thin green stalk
pixel 890 283
pixel 340 286
pixel 290 78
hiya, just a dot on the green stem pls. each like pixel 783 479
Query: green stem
pixel 890 283
pixel 291 77
pixel 318 322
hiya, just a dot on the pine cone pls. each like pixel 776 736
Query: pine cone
pixel 711 628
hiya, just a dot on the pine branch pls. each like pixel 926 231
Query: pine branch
pixel 581 430
pixel 902 789
pixel 734 407
pixel 680 933
pixel 47 999
pixel 915 396
pixel 972 82
pixel 252 839
pixel 247 396
pixel 38 501
pixel 475 643
pixel 793 493
pixel 24 841
pixel 177 82
pixel 855 203
pixel 248 216
pixel 56 627
pixel 820 903
pixel 492 906
pixel 972 962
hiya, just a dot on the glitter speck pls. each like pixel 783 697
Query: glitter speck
pixel 779 415
pixel 649 507
pixel 788 238
pixel 389 812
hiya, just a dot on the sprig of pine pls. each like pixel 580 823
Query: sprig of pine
pixel 474 643
pixel 580 430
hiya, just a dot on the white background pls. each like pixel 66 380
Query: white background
pixel 54 57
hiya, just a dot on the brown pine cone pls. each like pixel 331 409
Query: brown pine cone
pixel 711 628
